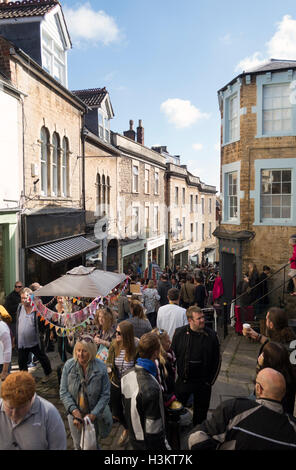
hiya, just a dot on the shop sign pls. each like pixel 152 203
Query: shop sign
pixel 155 243
pixel 133 248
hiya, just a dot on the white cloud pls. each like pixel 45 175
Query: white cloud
pixel 182 113
pixel 250 63
pixel 197 147
pixel 86 24
pixel 282 45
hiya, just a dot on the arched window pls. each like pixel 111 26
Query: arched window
pixel 44 137
pixel 108 191
pixel 65 169
pixel 98 185
pixel 103 195
pixel 55 164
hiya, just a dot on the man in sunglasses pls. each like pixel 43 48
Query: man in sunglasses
pixel 197 351
pixel 11 303
pixel 245 424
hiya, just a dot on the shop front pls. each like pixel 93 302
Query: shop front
pixel 54 243
pixel 133 254
pixel 155 250
pixel 8 252
pixel 180 255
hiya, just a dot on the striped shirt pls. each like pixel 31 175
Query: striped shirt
pixel 121 364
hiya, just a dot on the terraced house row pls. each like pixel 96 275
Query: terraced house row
pixel 72 191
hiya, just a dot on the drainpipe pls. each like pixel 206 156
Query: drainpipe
pixel 84 133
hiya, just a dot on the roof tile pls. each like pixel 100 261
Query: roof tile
pixel 92 97
pixel 26 8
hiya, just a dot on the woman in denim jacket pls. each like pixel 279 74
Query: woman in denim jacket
pixel 85 390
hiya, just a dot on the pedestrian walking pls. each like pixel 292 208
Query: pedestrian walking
pixel 197 351
pixel 171 316
pixel 28 340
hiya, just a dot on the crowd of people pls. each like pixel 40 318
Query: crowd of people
pixel 143 362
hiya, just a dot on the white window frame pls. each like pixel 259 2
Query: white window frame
pixel 226 170
pixel 147 181
pixel 56 57
pixel 274 164
pixel 135 177
pixel 156 181
pixel 44 158
pixel 156 219
pixel 135 208
pixel 176 195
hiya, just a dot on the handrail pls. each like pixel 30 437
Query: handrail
pixel 261 282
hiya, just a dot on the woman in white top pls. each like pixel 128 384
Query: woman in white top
pixel 5 349
pixel 121 357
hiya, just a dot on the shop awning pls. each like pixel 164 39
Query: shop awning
pixel 63 250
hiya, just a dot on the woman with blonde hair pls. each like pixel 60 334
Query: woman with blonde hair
pixel 121 357
pixel 151 302
pixel 85 390
pixel 138 319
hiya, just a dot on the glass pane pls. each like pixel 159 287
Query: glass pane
pixel 266 212
pixel 286 188
pixel 276 176
pixel 286 212
pixel 286 200
pixel 276 201
pixel 276 212
pixel 266 200
pixel 276 188
pixel 286 175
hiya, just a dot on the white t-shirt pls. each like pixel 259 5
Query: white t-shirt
pixel 170 317
pixel 5 343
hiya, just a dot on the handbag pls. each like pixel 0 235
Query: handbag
pixel 88 440
pixel 102 353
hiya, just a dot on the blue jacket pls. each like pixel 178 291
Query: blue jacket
pixel 97 389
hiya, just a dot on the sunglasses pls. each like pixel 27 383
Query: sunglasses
pixel 161 332
pixel 118 333
pixel 18 287
pixel 86 339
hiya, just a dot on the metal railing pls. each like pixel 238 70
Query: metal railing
pixel 281 285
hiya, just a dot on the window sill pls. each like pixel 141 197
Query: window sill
pixel 230 142
pixel 278 134
pixel 272 222
pixel 231 222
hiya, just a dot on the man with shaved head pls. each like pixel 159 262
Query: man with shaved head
pixel 244 424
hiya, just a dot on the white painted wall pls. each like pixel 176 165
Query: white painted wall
pixel 10 170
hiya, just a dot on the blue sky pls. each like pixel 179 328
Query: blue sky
pixel 163 61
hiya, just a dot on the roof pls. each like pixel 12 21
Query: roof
pixel 26 8
pixel 275 64
pixel 271 66
pixel 92 97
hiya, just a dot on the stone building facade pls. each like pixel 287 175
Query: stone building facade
pixel 50 118
pixel 191 216
pixel 258 168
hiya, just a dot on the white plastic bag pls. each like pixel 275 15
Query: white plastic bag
pixel 88 440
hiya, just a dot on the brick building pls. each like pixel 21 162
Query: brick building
pixel 258 170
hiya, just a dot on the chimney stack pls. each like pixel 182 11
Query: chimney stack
pixel 140 133
pixel 130 133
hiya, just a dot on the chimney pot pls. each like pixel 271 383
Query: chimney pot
pixel 131 123
pixel 140 133
pixel 131 134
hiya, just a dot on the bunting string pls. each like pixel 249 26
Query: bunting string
pixel 68 322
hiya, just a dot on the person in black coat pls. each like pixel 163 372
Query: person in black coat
pixel 11 304
pixel 163 287
pixel 197 352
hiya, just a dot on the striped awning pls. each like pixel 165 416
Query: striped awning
pixel 63 250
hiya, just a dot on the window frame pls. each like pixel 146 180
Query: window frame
pixel 135 188
pixel 273 78
pixel 226 171
pixel 274 164
pixel 232 92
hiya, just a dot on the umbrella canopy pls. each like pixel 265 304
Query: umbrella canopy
pixel 82 282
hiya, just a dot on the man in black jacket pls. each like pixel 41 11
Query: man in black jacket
pixel 244 424
pixel 163 286
pixel 11 303
pixel 142 399
pixel 197 351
